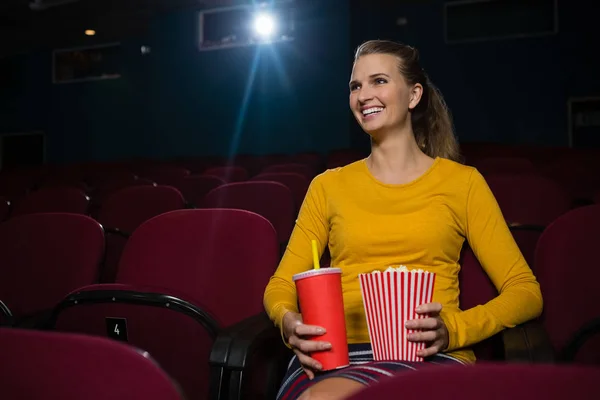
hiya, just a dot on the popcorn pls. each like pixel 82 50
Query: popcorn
pixel 401 268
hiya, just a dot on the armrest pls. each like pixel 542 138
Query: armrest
pixel 515 226
pixel 589 330
pixel 117 231
pixel 6 317
pixel 527 343
pixel 253 346
pixel 235 343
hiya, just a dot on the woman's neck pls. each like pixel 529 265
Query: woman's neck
pixel 397 159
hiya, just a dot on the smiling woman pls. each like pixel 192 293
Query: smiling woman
pixel 408 203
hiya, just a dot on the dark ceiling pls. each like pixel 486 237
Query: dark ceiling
pixel 22 29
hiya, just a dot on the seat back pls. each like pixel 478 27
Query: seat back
pixel 251 163
pixel 44 365
pixel 195 187
pixel 297 183
pixel 228 173
pixel 53 200
pixel 108 187
pixel 127 209
pixel 315 160
pixel 495 381
pixel 529 199
pixel 163 174
pixel 567 270
pixel 505 165
pixel 16 183
pixel 178 333
pixel 302 169
pixel 4 208
pixel 183 275
pixel 43 257
pixel 577 173
pixel 272 200
pixel 340 158
pixel 220 257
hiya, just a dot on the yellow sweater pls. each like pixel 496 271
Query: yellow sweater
pixel 370 225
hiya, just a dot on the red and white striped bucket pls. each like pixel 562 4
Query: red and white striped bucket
pixel 390 299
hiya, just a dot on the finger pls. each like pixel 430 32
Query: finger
pixel 308 330
pixel 425 323
pixel 429 351
pixel 429 308
pixel 309 372
pixel 307 361
pixel 427 336
pixel 308 346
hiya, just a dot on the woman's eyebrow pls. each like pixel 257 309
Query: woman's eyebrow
pixel 370 76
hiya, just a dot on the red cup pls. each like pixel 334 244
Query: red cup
pixel 322 304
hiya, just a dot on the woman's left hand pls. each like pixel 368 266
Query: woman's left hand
pixel 432 329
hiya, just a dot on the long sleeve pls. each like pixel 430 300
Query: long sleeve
pixel 312 224
pixel 519 298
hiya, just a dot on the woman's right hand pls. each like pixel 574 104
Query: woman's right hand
pixel 295 332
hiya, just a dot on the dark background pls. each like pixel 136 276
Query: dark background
pixel 282 98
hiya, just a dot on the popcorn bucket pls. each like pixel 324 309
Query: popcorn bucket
pixel 390 299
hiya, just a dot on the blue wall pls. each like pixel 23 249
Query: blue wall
pixel 506 91
pixel 178 101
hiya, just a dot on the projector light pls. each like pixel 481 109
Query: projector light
pixel 264 25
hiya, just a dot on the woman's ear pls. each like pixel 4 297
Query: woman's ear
pixel 415 95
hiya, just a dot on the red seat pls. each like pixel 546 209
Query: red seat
pixel 182 276
pixel 43 257
pixel 490 382
pixel 127 209
pixel 4 208
pixel 567 269
pixel 297 183
pixel 65 176
pixel 476 289
pixel 505 165
pixel 17 183
pixel 272 200
pixel 340 158
pixel 252 164
pixel 529 199
pixel 163 174
pixel 315 160
pixel 529 203
pixel 578 175
pixel 53 366
pixel 64 199
pixel 228 174
pixel 195 187
pixel 110 187
pixel 302 169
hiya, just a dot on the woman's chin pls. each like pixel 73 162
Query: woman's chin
pixel 372 130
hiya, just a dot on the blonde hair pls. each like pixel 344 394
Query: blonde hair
pixel 431 119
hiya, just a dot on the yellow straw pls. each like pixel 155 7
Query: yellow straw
pixel 315 254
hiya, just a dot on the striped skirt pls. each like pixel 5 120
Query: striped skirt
pixel 362 369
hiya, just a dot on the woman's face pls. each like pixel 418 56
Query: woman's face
pixel 380 98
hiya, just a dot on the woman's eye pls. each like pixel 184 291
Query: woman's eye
pixel 380 81
pixel 353 87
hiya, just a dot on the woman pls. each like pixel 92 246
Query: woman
pixel 408 203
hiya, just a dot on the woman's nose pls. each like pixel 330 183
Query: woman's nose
pixel 364 95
